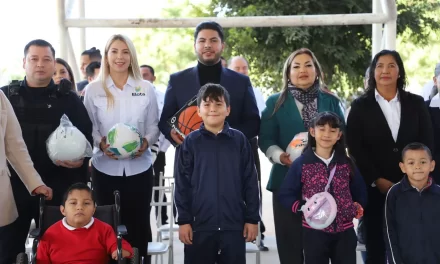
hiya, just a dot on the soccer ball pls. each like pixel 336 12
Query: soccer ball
pixel 296 146
pixel 66 143
pixel 124 140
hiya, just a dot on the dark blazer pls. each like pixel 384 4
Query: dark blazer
pixel 435 120
pixel 185 84
pixel 369 137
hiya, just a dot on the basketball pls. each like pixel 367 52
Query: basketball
pixel 189 120
pixel 186 120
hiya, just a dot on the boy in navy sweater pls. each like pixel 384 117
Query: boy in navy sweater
pixel 412 211
pixel 216 194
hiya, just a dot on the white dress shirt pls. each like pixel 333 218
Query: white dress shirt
pixel 326 161
pixel 435 101
pixel 164 144
pixel 391 111
pixel 136 105
pixel 71 228
pixel 426 90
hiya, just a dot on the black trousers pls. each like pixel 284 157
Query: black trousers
pixel 159 166
pixel 288 232
pixel 220 247
pixel 135 203
pixel 254 145
pixel 13 236
pixel 373 221
pixel 320 247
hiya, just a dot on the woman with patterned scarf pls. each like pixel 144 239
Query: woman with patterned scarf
pixel 287 114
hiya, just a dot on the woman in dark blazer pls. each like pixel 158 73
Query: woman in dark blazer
pixel 381 123
pixel 286 114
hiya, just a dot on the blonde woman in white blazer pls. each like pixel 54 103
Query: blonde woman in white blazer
pixel 13 148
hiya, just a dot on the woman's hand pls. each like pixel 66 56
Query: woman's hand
pixel 383 185
pixel 104 148
pixel 142 149
pixel 285 159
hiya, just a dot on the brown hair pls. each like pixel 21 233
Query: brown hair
pixel 69 70
pixel 286 73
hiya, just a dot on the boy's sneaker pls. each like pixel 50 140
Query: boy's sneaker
pixel 165 235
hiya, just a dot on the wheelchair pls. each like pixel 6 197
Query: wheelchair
pixel 49 215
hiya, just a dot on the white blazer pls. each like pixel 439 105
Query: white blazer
pixel 13 148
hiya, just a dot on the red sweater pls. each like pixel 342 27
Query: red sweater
pixel 87 246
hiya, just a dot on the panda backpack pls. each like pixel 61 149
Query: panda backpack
pixel 320 210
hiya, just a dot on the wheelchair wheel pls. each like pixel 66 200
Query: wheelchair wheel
pixel 135 259
pixel 22 258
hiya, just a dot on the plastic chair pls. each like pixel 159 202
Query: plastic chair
pixel 160 248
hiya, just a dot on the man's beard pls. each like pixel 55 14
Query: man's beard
pixel 209 62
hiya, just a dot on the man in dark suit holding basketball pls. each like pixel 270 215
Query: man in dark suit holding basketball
pixel 184 85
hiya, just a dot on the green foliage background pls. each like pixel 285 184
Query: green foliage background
pixel 343 51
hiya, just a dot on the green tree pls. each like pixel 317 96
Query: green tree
pixel 169 50
pixel 420 60
pixel 343 51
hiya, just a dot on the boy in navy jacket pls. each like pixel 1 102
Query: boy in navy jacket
pixel 412 211
pixel 216 192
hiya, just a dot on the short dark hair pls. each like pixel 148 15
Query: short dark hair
pixel 416 146
pixel 69 70
pixel 213 91
pixel 209 25
pixel 149 67
pixel 38 43
pixel 93 53
pixel 80 186
pixel 90 69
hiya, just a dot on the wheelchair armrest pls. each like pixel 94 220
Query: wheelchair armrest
pixel 35 233
pixel 121 230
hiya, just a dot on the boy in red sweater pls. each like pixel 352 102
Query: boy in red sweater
pixel 79 237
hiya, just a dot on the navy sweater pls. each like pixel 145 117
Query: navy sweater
pixel 411 225
pixel 216 181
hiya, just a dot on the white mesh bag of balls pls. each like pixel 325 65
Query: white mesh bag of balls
pixel 67 143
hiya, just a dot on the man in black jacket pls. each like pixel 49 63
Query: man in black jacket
pixel 39 105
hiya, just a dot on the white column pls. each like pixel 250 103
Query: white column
pixel 227 22
pixel 390 9
pixel 62 30
pixel 377 30
pixel 82 31
pixel 73 63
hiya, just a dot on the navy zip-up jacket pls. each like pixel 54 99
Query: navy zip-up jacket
pixel 216 181
pixel 411 225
